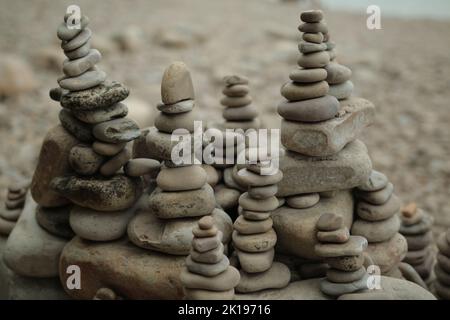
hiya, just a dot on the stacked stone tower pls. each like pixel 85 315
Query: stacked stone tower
pixel 208 274
pixel 344 255
pixel 378 221
pixel 416 228
pixel 15 201
pixel 442 268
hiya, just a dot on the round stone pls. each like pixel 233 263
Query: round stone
pixel 330 222
pixel 341 91
pixel 181 178
pixel 111 166
pixel 303 201
pixel 73 68
pixel 308 75
pixel 87 80
pixel 310 47
pixel 78 52
pixel 311 16
pixel 337 73
pixel 108 149
pixel 313 27
pixel 79 40
pixel 176 84
pixel 224 281
pixel 293 91
pixel 372 212
pixel 84 160
pixel 167 123
pixel 276 277
pixel 117 130
pixel 263 192
pixel 339 276
pixel 247 178
pixel 79 129
pixel 141 166
pixel 206 223
pixel 248 203
pixel 235 102
pixel 376 181
pixel 239 90
pixel 377 197
pixel 244 113
pixel 255 261
pixel 378 231
pixel 118 110
pixel 179 107
pixel 312 110
pixel 314 60
pixel 410 218
pixel 244 226
pixel 256 242
pixel 315 38
pixel 232 80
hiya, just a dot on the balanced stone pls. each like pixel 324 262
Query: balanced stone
pixel 141 166
pixel 247 203
pixel 179 107
pixel 337 236
pixel 65 33
pixel 228 278
pixel 236 102
pixel 55 220
pixel 239 90
pixel 244 113
pixel 311 16
pixel 316 38
pixel 181 178
pixel 244 226
pixel 169 122
pixel 206 244
pixel 263 192
pixel 353 247
pixel 253 262
pixel 419 228
pixel 204 233
pixel 419 241
pixel 337 73
pixel 303 201
pixel 314 60
pixel 293 91
pixel 278 276
pixel 226 197
pixel 314 27
pixel 255 243
pixel 77 41
pixel 79 129
pixel 312 110
pixel 111 166
pixel 207 269
pixel 329 222
pixel 245 177
pixel 309 47
pixel 99 193
pixel 84 160
pixel 73 68
pixel 211 256
pixel 376 181
pixel 377 197
pixel 78 52
pixel 255 215
pixel 377 231
pixel 338 276
pixel 234 80
pixel 108 149
pixel 388 254
pixel 176 84
pixel 341 91
pixel 84 81
pixel 337 289
pixel 116 131
pixel 346 263
pixel 372 212
pixel 308 75
pixel 118 110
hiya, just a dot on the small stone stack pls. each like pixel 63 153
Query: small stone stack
pixel 378 221
pixel 344 255
pixel 254 238
pixel 92 114
pixel 208 274
pixel 15 201
pixel 442 268
pixel 416 228
pixel 239 112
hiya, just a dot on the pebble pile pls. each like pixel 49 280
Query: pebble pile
pixel 442 268
pixel 15 201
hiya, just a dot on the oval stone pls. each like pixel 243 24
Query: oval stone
pixel 87 80
pixel 314 60
pixel 308 75
pixel 255 243
pixel 293 91
pixel 117 130
pixel 244 113
pixel 181 178
pixel 341 91
pixel 84 160
pixel 73 68
pixel 378 231
pixel 312 110
pixel 337 73
pixel 176 84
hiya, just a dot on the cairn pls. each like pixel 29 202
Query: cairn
pixel 344 255
pixel 208 274
pixel 254 238
pixel 416 228
pixel 378 221
pixel 442 267
pixel 15 201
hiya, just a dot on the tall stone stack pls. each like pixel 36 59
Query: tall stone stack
pixel 416 228
pixel 208 274
pixel 182 194
pixel 442 267
pixel 15 201
pixel 254 238
pixel 344 255
pixel 378 221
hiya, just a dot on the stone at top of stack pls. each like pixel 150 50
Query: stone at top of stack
pixel 239 112
pixel 344 255
pixel 378 221
pixel 15 201
pixel 416 228
pixel 442 267
pixel 208 274
pixel 254 238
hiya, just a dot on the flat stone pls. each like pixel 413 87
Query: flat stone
pixel 176 84
pixel 377 197
pixel 419 228
pixel 277 277
pixel 344 170
pixel 337 236
pixel 254 215
pixel 113 165
pixel 172 236
pixel 310 47
pixel 338 276
pixel 116 131
pixel 224 281
pixel 181 178
pixel 206 244
pixel 311 16
pixel 30 250
pixel 303 201
pixel 389 253
pixel 141 166
pixel 417 257
pixel 179 107
pixel 232 80
pixel 341 91
pixel 79 129
pixel 77 41
pixel 101 96
pixel 247 178
pixel 248 203
pixel 103 194
pixel 145 275
pixel 337 289
pixel 294 226
pixel 263 192
pixel 73 68
pixel 307 75
pixel 314 60
pixel 115 111
pixel 255 243
pixel 376 231
pixel 328 137
pixel 315 38
pixel 244 113
pixel 79 52
pixel 238 90
pixel 236 102
pixel 244 226
pixel 353 247
pixel 86 80
pixel 208 269
pixel 178 204
pixel 420 241
pixel 346 263
pixel 337 73
pixel 108 149
pixel 55 221
pixel 372 212
pixel 294 91
pixel 201 233
pixel 226 197
pixel 313 27
pixel 255 262
pixel 330 222
pixel 169 122
pixel 84 160
pixel 210 256
pixel 53 162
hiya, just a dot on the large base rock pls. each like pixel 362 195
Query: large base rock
pixel 296 228
pixel 129 271
pixel 25 288
pixel 347 169
pixel 388 254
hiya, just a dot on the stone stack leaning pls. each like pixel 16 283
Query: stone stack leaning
pixel 344 255
pixel 442 268
pixel 254 238
pixel 378 221
pixel 208 274
pixel 416 228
